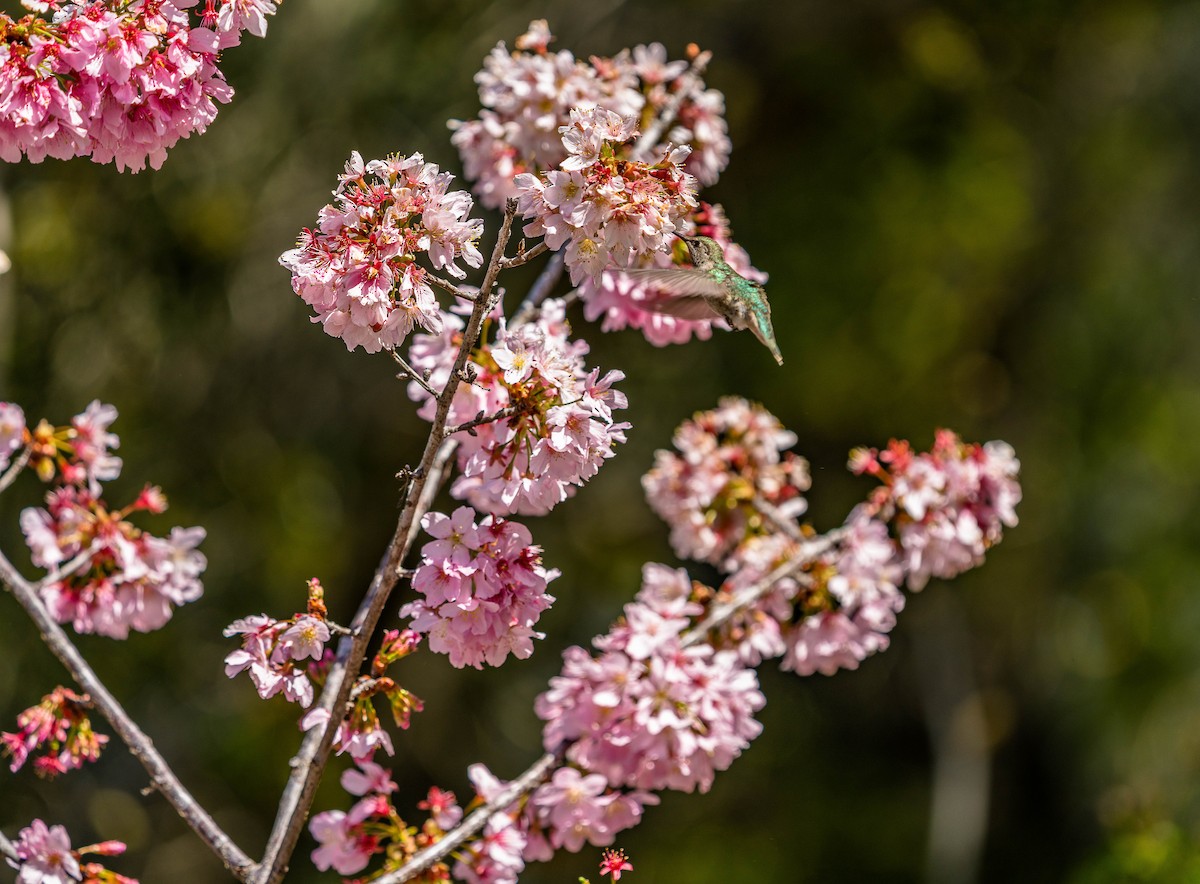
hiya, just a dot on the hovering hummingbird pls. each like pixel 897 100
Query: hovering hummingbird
pixel 712 290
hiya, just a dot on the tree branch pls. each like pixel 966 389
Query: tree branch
pixel 309 763
pixel 12 472
pixel 524 257
pixel 140 745
pixel 7 848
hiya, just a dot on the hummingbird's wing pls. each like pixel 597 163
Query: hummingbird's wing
pixel 685 294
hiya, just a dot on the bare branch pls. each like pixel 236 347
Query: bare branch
pixel 524 257
pixel 12 472
pixel 7 848
pixel 412 374
pixel 140 745
pixel 506 412
pixel 781 522
pixel 448 286
pixel 309 763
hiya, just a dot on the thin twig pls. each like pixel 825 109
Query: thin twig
pixel 412 374
pixel 720 614
pixel 140 745
pixel 524 257
pixel 437 475
pixel 66 570
pixel 447 285
pixel 8 848
pixel 691 80
pixel 17 465
pixel 309 763
pixel 779 520
pixel 540 289
pixel 475 821
pixel 506 412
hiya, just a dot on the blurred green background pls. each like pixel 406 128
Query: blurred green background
pixel 975 215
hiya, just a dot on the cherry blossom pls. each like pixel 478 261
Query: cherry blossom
pixel 59 726
pixel 483 588
pixel 12 431
pixel 562 427
pixel 358 268
pixel 607 212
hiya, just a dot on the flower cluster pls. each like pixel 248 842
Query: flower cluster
pixel 12 431
pixel 130 579
pixel 608 212
pixel 948 505
pixel 358 268
pixel 649 713
pixel 554 422
pixel 348 839
pixel 483 589
pixel 272 652
pixel 529 94
pixel 44 856
pixel 59 727
pixel 624 300
pixel 728 458
pixel 119 82
pixel 361 732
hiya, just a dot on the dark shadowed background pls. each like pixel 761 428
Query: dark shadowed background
pixel 975 215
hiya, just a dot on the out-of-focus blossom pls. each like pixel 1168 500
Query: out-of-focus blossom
pixel 133 579
pixel 12 431
pixel 44 856
pixel 358 268
pixel 726 459
pixel 58 727
pixel 529 94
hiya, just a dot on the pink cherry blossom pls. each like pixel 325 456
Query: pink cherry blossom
pixel 725 458
pixel 59 727
pixel 529 95
pixel 608 213
pixel 358 269
pixel 483 587
pixel 134 580
pixel 44 856
pixel 12 431
pixel 271 652
pixel 563 427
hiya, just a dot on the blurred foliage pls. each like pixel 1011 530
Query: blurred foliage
pixel 975 215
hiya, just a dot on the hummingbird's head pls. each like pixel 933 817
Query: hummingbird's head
pixel 705 252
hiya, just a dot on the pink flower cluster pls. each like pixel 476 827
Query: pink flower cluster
pixel 847 612
pixel 726 458
pixel 348 840
pixel 561 428
pixel 44 856
pixel 528 95
pixel 649 713
pixel 624 300
pixel 949 505
pixel 12 431
pixel 60 728
pixel 273 652
pixel 119 82
pixel 358 269
pixel 608 212
pixel 483 588
pixel 133 579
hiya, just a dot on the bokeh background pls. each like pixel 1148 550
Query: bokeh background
pixel 975 215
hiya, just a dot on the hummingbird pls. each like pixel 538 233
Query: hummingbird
pixel 712 290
